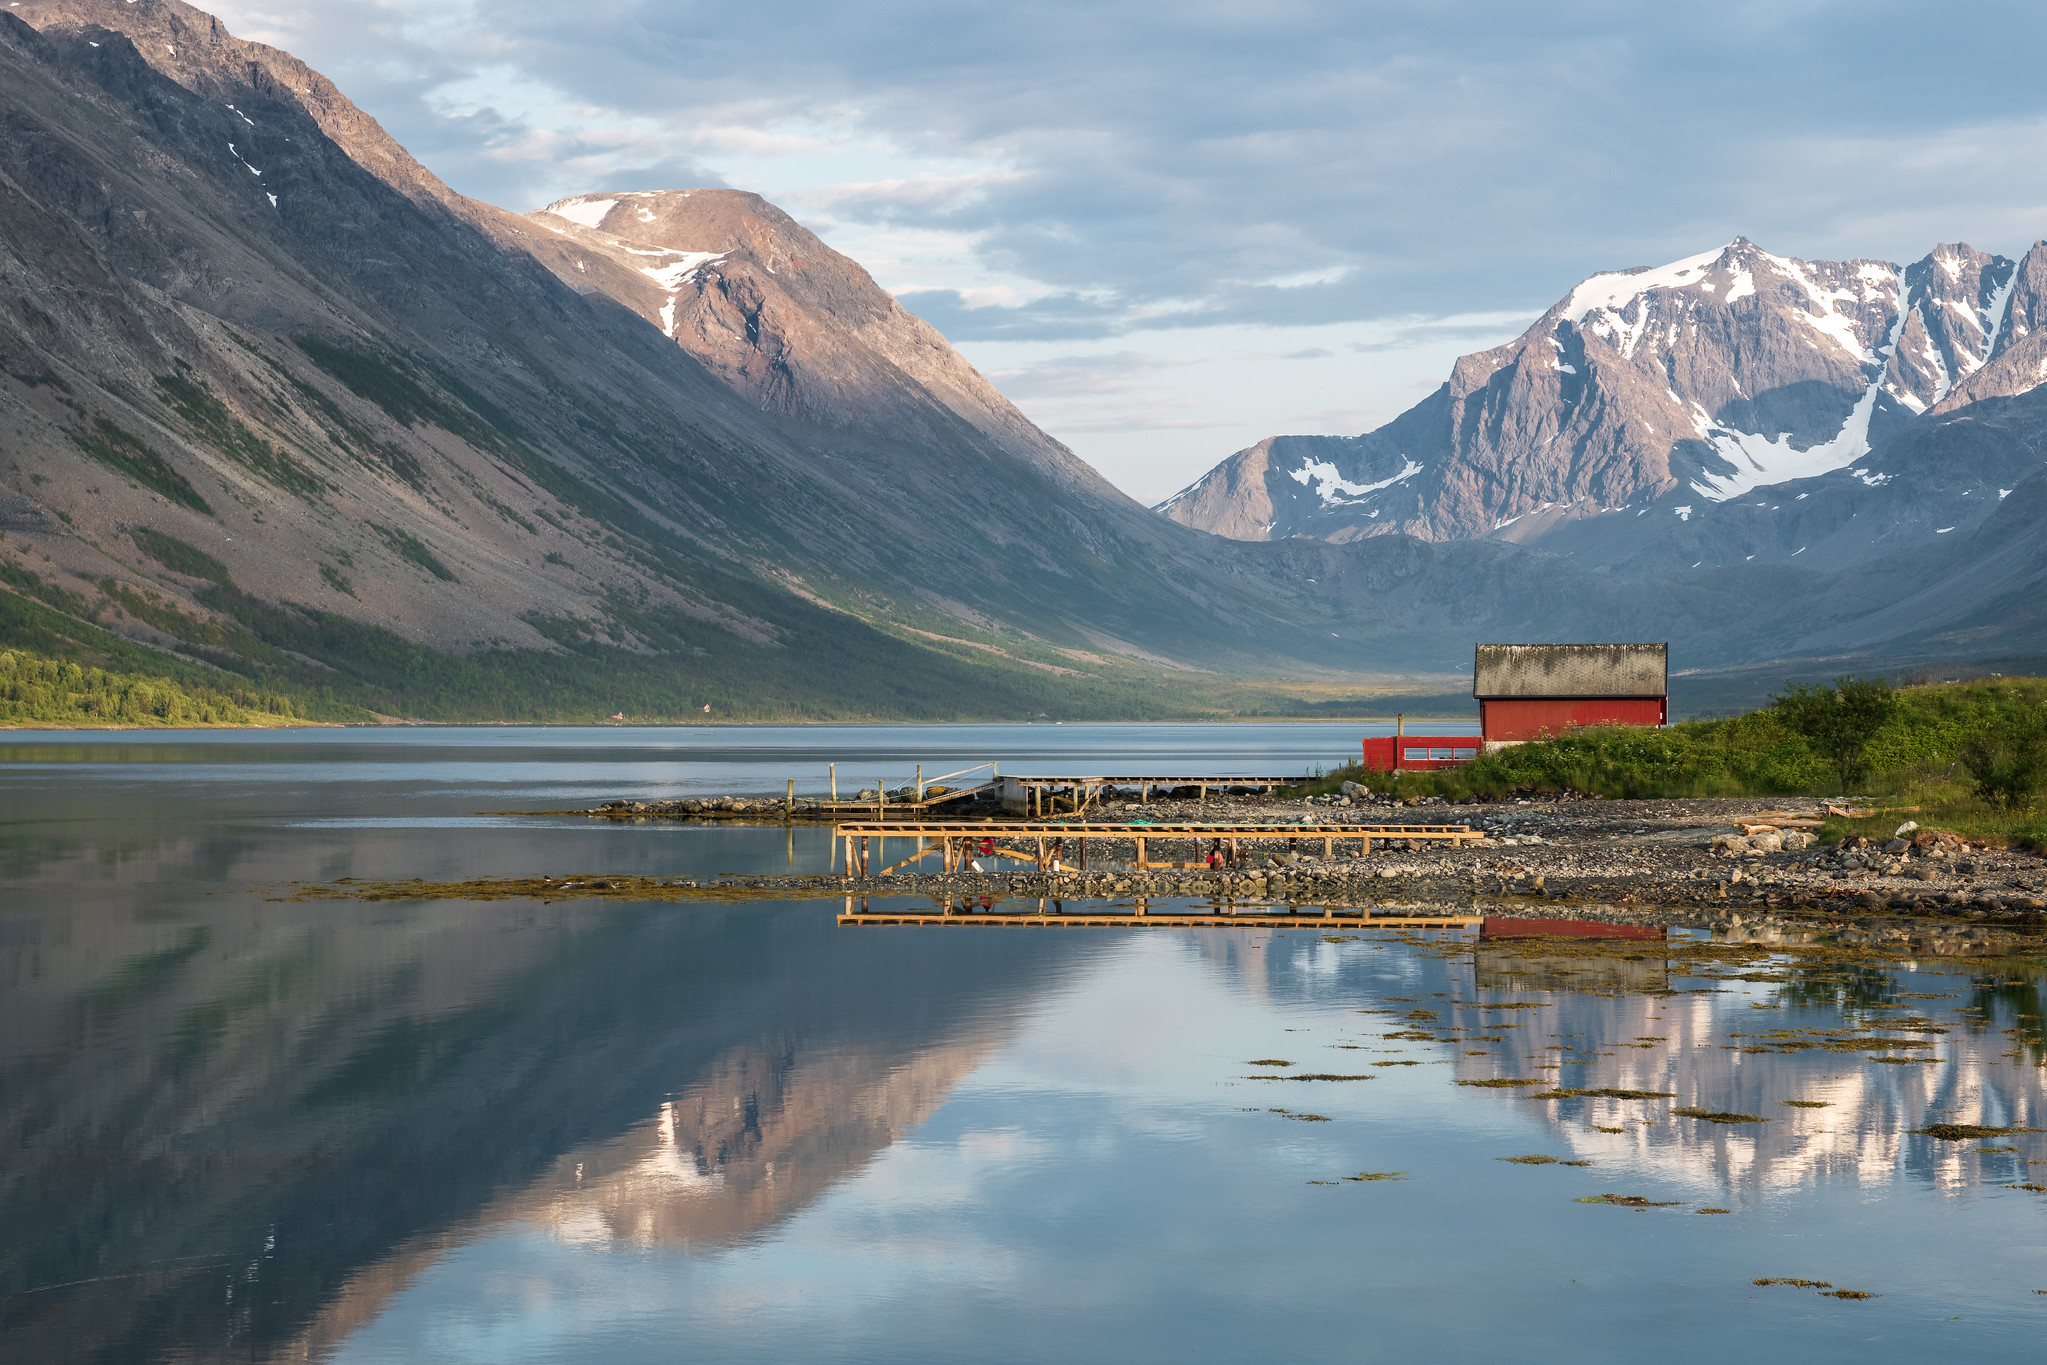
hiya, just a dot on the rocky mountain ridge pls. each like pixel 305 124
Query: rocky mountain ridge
pixel 1682 393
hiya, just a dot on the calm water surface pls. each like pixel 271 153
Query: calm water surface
pixel 240 1127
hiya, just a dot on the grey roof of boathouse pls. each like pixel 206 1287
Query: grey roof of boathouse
pixel 1570 671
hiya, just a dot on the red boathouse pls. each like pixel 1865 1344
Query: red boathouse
pixel 1536 691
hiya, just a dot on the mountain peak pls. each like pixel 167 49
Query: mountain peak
pixel 803 332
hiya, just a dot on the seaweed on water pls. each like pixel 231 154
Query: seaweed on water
pixel 1964 1132
pixel 1847 1294
pixel 1603 1092
pixel 1312 1076
pixel 1303 1118
pixel 1796 1283
pixel 1504 1082
pixel 1806 1104
pixel 1532 1159
pixel 1716 1115
pixel 1712 1210
pixel 1269 1061
pixel 1378 1175
pixel 1629 1201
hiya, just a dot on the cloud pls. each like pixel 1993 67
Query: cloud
pixel 1085 175
pixel 1289 164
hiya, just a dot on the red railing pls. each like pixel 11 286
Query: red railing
pixel 1419 753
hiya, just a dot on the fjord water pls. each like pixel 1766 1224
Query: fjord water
pixel 241 1125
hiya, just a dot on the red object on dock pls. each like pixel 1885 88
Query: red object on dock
pixel 1419 753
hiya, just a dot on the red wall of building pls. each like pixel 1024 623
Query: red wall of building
pixel 1535 717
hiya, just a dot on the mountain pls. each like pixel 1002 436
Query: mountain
pixel 1732 405
pixel 278 406
pixel 278 399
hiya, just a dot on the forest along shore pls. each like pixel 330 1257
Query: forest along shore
pixel 1754 866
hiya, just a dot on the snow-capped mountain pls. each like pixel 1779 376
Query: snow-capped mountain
pixel 1674 395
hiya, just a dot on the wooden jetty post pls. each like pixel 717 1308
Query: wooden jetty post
pixel 789 802
pixel 835 784
pixel 920 781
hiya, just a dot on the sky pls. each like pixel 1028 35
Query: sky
pixel 1168 230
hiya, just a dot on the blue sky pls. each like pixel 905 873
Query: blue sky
pixel 1167 230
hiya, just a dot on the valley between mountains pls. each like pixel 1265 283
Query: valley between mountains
pixel 278 406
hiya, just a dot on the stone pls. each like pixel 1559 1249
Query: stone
pixel 1902 830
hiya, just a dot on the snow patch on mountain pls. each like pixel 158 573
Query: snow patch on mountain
pixel 581 209
pixel 674 276
pixel 1615 290
pixel 2000 309
pixel 1760 461
pixel 1336 491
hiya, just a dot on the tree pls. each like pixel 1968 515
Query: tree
pixel 1839 721
pixel 2007 758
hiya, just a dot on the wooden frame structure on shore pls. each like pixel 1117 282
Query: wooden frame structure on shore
pixel 954 841
pixel 1041 793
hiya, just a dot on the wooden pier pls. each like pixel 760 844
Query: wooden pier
pixel 1051 915
pixel 1044 842
pixel 1038 795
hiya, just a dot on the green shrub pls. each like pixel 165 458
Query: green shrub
pixel 2007 756
pixel 1840 721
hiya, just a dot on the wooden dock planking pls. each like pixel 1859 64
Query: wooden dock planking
pixel 953 839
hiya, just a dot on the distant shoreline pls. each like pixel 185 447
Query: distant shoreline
pixel 1413 719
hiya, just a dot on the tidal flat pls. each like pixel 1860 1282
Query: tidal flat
pixel 248 1121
